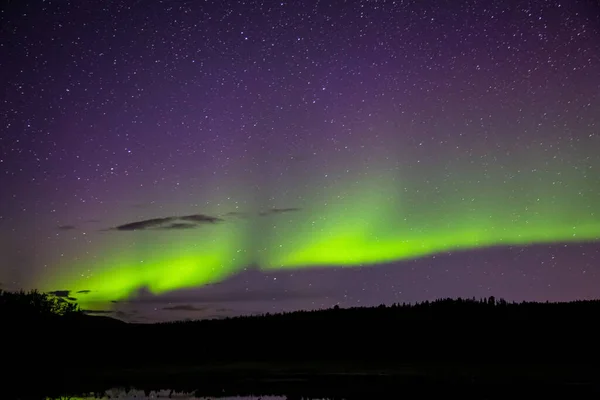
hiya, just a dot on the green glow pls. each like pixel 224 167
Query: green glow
pixel 164 261
pixel 393 230
pixel 368 221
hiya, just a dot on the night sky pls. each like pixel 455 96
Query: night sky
pixel 197 159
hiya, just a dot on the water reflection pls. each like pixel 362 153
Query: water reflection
pixel 118 394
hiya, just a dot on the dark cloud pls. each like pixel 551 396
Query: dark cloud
pixel 184 307
pixel 200 296
pixel 92 221
pixel 144 224
pixel 178 226
pixel 234 213
pixel 66 227
pixel 60 293
pixel 83 291
pixel 64 299
pixel 131 316
pixel 238 214
pixel 220 316
pixel 139 320
pixel 202 312
pixel 200 218
pixel 123 314
pixel 98 312
pixel 274 211
pixel 169 223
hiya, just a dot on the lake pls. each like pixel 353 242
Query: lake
pixel 120 394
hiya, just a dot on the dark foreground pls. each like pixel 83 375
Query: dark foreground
pixel 349 382
pixel 477 349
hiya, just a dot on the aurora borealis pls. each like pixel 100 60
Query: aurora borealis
pixel 184 151
pixel 341 233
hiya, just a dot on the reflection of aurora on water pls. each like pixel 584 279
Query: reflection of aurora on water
pixel 163 394
pixel 376 220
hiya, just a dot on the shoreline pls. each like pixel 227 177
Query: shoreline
pixel 330 381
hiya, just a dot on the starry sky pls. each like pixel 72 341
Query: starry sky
pixel 199 159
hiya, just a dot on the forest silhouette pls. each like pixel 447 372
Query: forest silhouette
pixel 471 327
pixel 55 342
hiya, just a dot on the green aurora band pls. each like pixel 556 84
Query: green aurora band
pixel 369 222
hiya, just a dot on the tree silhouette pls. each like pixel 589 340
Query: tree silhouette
pixel 34 306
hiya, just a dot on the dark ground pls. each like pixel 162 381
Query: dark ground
pixel 477 381
pixel 472 349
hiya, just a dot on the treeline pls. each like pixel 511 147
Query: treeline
pixel 483 309
pixel 446 329
pixel 48 339
pixel 34 306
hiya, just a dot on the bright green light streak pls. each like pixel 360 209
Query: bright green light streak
pixel 162 261
pixel 366 223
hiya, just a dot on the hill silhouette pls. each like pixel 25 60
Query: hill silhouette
pixel 449 335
